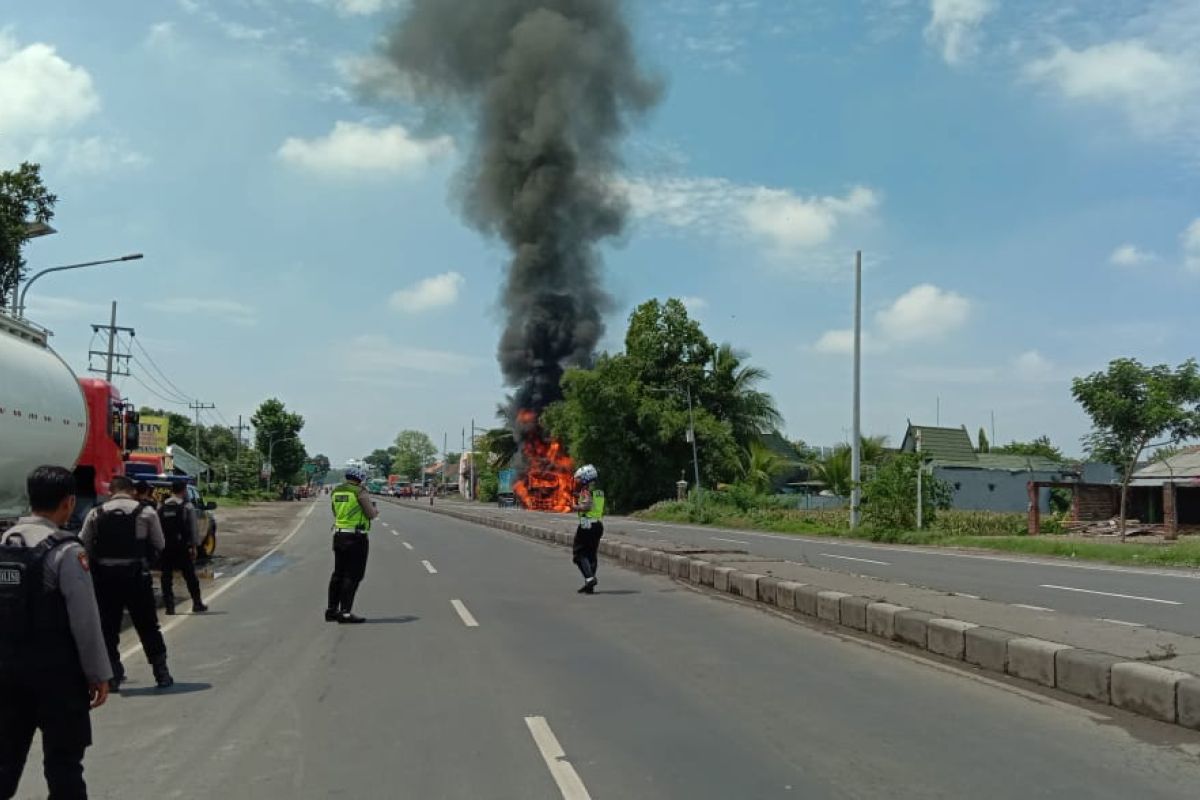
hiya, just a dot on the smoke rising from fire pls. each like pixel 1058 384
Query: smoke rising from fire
pixel 551 85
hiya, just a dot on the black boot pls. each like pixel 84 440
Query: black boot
pixel 346 618
pixel 198 607
pixel 168 605
pixel 331 615
pixel 162 676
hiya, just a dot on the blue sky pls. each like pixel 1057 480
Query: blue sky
pixel 1022 177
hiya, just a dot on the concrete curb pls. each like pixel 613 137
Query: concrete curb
pixel 1149 690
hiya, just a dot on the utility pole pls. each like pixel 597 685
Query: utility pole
pixel 994 427
pixel 110 355
pixel 198 407
pixel 920 495
pixel 471 488
pixel 445 458
pixel 237 430
pixel 692 437
pixel 856 433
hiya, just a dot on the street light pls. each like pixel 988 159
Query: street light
pixel 28 283
pixel 270 470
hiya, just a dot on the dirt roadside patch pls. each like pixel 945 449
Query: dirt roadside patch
pixel 246 532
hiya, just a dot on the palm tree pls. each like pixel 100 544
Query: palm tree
pixel 833 470
pixel 760 465
pixel 872 449
pixel 737 400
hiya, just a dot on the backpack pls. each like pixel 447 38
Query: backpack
pixel 22 582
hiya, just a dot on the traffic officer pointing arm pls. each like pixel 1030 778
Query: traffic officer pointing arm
pixel 589 505
pixel 53 665
pixel 352 515
pixel 122 536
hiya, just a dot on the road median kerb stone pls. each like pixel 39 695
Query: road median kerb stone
pixel 693 575
pixel 947 637
pixel 1085 673
pixel 706 573
pixel 985 647
pixel 912 627
pixel 767 587
pixel 1188 703
pixel 677 566
pixel 785 595
pixel 881 619
pixel 829 605
pixel 721 578
pixel 1146 689
pixel 744 584
pixel 854 612
pixel 658 561
pixel 1033 659
pixel 807 597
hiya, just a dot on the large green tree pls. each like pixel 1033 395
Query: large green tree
pixel 1041 446
pixel 413 451
pixel 1133 406
pixel 382 460
pixel 731 393
pixel 274 423
pixel 24 199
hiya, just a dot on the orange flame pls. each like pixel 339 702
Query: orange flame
pixel 548 483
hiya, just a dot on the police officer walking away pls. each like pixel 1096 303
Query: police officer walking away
pixel 589 504
pixel 121 537
pixel 352 515
pixel 181 534
pixel 53 666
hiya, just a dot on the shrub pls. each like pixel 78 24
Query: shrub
pixel 890 496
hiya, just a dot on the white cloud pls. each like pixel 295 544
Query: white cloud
pixel 694 305
pixel 1033 366
pixel 438 291
pixel 362 7
pixel 228 310
pixel 923 313
pixel 780 221
pixel 1156 90
pixel 372 355
pixel 95 156
pixel 954 27
pixel 375 77
pixel 1128 255
pixel 40 92
pixel 1191 247
pixel 161 35
pixel 356 148
pixel 58 307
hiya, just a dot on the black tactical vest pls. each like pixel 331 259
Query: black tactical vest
pixel 174 524
pixel 35 631
pixel 116 535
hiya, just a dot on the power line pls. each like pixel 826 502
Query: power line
pixel 150 358
pixel 151 391
pixel 182 400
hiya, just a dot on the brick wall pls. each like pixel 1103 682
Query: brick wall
pixel 1094 503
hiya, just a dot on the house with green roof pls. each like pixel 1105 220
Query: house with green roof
pixel 983 481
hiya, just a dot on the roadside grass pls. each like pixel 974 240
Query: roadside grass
pixel 996 532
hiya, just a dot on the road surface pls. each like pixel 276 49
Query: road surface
pixel 484 675
pixel 1167 599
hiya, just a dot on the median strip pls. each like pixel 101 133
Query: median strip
pixel 1126 679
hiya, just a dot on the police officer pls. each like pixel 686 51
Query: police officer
pixel 352 515
pixel 181 534
pixel 53 665
pixel 589 505
pixel 143 492
pixel 122 536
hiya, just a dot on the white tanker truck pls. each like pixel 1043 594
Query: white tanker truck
pixel 49 416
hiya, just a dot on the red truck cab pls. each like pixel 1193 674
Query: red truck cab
pixel 112 432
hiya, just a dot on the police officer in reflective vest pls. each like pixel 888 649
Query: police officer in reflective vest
pixel 181 535
pixel 53 665
pixel 352 515
pixel 589 504
pixel 122 537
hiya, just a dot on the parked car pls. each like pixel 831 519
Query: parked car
pixel 207 523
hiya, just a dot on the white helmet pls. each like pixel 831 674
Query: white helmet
pixel 356 473
pixel 586 474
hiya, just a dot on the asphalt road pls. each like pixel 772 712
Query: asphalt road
pixel 650 689
pixel 1167 599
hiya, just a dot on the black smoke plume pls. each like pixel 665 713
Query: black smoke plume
pixel 551 86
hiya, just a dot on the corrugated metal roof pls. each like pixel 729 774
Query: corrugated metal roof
pixel 941 444
pixel 1008 463
pixel 1179 466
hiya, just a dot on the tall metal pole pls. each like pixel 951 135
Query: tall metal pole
pixel 856 433
pixel 112 340
pixel 920 494
pixel 695 453
pixel 445 453
pixel 471 488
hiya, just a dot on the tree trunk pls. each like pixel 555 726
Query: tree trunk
pixel 1128 476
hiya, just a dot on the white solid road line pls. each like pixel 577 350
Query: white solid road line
pixel 968 596
pixel 569 783
pixel 1122 622
pixel 463 614
pixel 407 546
pixel 395 533
pixel 734 541
pixel 136 647
pixel 852 558
pixel 1031 608
pixel 429 567
pixel 1112 594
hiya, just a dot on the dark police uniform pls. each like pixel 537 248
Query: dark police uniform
pixel 51 648
pixel 180 533
pixel 121 537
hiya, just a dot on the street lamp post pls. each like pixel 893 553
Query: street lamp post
pixel 25 289
pixel 271 454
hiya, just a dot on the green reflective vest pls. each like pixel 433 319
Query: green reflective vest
pixel 596 512
pixel 348 514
